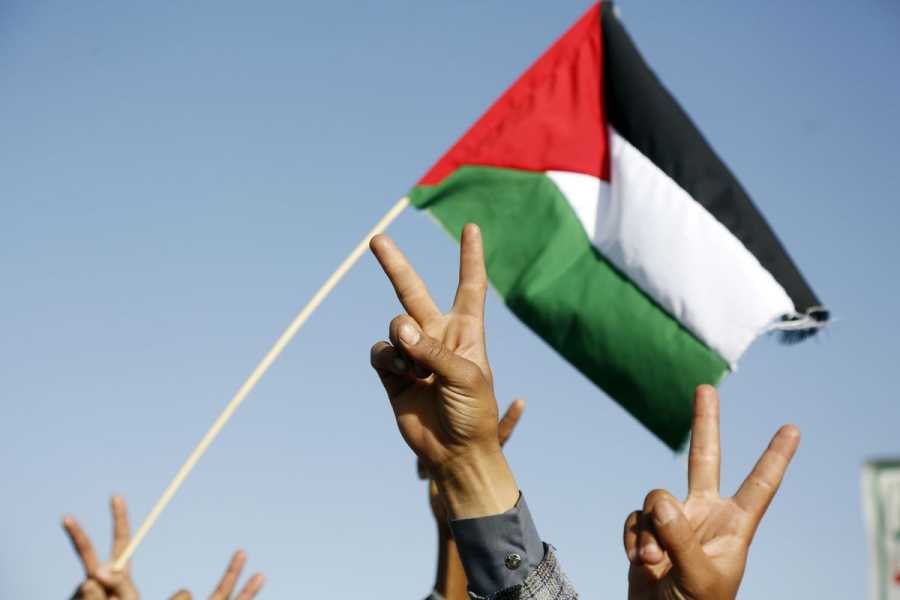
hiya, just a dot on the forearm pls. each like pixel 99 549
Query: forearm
pixel 450 580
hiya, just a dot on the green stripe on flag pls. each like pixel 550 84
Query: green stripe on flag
pixel 542 263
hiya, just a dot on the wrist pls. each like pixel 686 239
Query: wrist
pixel 477 484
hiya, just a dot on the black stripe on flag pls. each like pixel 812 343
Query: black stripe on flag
pixel 645 114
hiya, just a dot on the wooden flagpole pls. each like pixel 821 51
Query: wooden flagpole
pixel 254 377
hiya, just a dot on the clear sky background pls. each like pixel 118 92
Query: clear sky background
pixel 177 178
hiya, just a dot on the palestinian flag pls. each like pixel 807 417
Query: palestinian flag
pixel 613 230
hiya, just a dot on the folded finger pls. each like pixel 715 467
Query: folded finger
pixel 418 370
pixel 432 355
pixel 422 469
pixel 675 534
pixel 386 357
pixel 648 549
pixel 392 368
pixel 630 536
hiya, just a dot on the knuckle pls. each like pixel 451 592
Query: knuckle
pixel 435 351
pixel 478 286
pixel 397 321
pixel 762 484
pixel 655 496
pixel 411 290
pixel 702 461
pixel 471 373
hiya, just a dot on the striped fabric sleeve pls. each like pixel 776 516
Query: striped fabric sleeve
pixel 546 582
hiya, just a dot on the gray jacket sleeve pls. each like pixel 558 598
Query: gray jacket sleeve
pixel 503 557
pixel 498 551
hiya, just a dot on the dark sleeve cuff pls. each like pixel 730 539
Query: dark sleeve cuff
pixel 499 551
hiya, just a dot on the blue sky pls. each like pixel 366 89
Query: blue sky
pixel 176 179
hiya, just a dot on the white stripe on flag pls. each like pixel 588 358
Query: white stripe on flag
pixel 675 251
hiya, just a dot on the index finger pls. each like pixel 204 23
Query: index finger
pixel 705 456
pixel 510 420
pixel 82 544
pixel 762 483
pixel 410 288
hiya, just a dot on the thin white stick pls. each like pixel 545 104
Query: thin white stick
pixel 254 377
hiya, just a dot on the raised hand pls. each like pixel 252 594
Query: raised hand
pixel 697 549
pixel 100 583
pixel 229 581
pixel 436 374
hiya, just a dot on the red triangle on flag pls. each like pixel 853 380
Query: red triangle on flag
pixel 551 118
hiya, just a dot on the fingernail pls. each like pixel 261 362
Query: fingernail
pixel 400 365
pixel 665 512
pixel 632 555
pixel 409 334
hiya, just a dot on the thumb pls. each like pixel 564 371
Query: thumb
pixel 431 353
pixel 676 536
pixel 181 595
